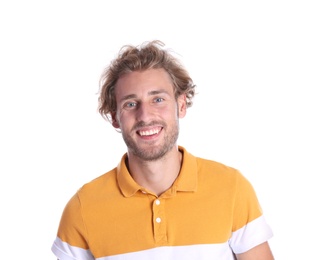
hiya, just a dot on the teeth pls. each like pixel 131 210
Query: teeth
pixel 149 132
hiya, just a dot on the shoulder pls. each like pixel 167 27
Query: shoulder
pixel 103 183
pixel 209 169
pixel 218 169
pixel 214 165
pixel 219 176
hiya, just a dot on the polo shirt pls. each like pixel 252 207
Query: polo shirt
pixel 210 212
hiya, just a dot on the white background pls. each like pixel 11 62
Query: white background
pixel 252 62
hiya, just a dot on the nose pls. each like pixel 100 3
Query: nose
pixel 144 112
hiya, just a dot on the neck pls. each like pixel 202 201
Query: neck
pixel 156 176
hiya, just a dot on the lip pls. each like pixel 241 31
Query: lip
pixel 149 133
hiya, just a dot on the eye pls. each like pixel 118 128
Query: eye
pixel 158 100
pixel 130 104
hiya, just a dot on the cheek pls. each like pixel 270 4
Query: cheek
pixel 124 119
pixel 170 113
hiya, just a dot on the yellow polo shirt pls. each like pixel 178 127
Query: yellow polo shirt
pixel 210 212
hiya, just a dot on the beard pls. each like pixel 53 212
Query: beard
pixel 153 152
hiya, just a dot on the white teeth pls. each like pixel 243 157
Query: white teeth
pixel 149 132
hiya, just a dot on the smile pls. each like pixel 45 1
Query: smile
pixel 153 131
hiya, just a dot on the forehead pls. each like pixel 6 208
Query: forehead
pixel 141 82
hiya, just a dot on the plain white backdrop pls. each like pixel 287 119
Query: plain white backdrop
pixel 252 62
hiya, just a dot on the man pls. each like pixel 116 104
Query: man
pixel 160 202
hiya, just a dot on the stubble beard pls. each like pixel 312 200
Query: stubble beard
pixel 154 152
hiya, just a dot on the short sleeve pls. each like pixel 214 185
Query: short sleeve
pixel 71 242
pixel 249 224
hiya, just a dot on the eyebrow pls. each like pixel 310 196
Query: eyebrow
pixel 150 93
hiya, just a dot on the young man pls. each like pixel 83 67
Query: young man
pixel 160 202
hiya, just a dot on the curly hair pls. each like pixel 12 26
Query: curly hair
pixel 148 55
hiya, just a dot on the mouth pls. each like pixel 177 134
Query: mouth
pixel 149 132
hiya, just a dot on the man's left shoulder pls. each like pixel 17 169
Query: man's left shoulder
pixel 215 167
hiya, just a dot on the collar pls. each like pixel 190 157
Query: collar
pixel 186 181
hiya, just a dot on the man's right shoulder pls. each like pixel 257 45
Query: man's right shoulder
pixel 105 181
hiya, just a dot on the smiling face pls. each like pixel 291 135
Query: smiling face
pixel 148 113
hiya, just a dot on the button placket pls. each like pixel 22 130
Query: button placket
pixel 159 222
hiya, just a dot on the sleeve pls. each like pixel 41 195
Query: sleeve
pixel 249 224
pixel 71 241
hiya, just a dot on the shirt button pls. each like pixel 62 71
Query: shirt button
pixel 158 220
pixel 157 202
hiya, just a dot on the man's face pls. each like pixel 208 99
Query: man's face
pixel 148 113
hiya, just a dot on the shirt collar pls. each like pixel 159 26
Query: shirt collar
pixel 186 181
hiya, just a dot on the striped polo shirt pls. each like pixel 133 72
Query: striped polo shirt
pixel 210 212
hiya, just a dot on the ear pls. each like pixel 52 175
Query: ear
pixel 114 121
pixel 182 106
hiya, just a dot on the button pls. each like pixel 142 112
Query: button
pixel 157 202
pixel 158 220
pixel 144 192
